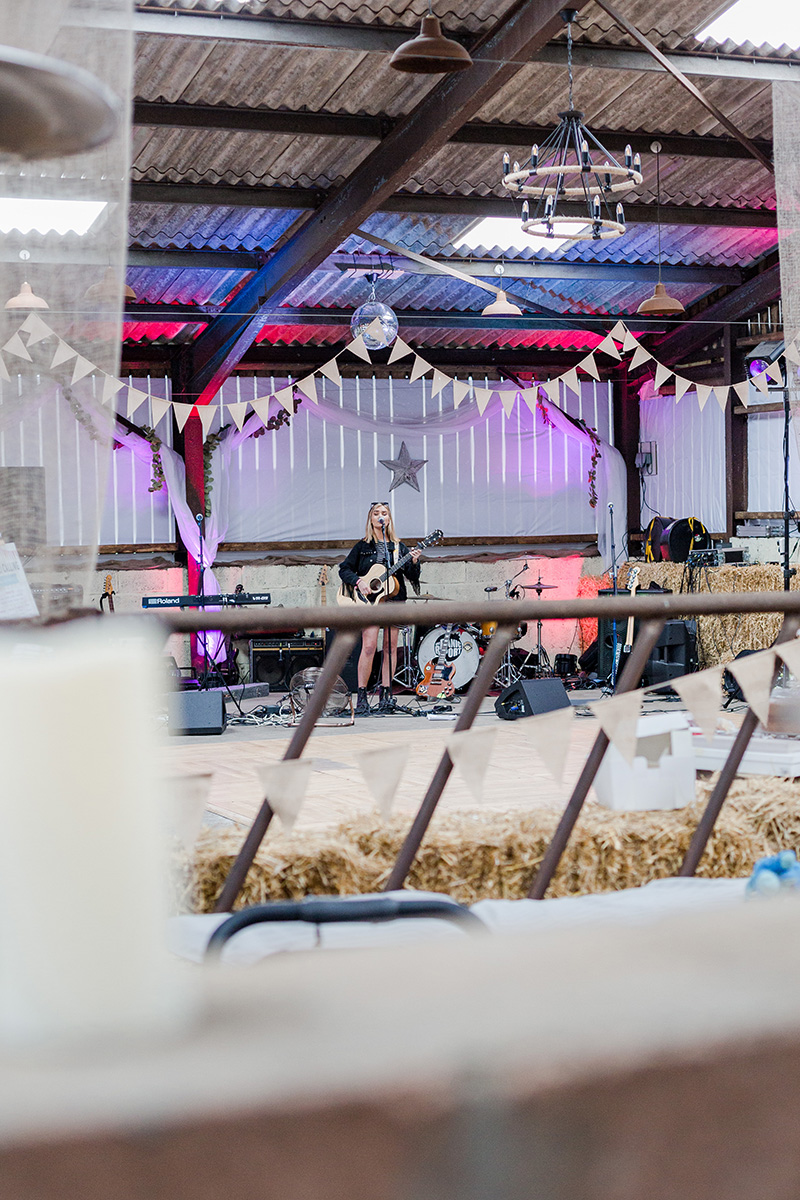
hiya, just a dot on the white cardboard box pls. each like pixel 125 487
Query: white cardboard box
pixel 765 755
pixel 662 775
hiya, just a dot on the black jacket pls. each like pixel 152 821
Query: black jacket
pixel 365 554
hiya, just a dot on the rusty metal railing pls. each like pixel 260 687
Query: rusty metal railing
pixel 651 610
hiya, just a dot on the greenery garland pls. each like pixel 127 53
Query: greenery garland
pixel 157 477
pixel 596 455
pixel 80 414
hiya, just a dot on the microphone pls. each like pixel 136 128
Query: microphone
pixel 199 518
pixel 382 522
pixel 611 508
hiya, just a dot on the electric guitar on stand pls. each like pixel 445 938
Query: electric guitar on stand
pixel 323 590
pixel 108 594
pixel 379 583
pixel 624 651
pixel 438 677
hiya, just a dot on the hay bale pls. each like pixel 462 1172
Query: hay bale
pixel 720 639
pixel 485 854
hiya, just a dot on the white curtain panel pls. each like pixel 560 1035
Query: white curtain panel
pixel 485 475
pixel 690 451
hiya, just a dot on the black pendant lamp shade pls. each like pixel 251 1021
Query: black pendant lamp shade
pixel 430 52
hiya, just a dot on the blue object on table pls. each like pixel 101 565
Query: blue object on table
pixel 775 873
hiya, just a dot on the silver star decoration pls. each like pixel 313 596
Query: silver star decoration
pixel 404 468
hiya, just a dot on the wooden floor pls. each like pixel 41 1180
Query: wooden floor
pixel 516 777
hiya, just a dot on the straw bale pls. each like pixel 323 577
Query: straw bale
pixel 474 855
pixel 720 639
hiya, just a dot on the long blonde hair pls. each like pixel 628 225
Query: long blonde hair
pixel 369 533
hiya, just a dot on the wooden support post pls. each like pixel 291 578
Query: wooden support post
pixel 626 440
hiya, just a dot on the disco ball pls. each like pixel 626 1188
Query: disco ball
pixel 302 684
pixel 363 318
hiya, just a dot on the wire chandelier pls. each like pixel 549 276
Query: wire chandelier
pixel 566 167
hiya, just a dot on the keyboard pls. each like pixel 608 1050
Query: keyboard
pixel 225 600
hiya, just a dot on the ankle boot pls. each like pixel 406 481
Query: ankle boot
pixel 386 701
pixel 362 708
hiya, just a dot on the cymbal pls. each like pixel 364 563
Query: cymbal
pixel 537 587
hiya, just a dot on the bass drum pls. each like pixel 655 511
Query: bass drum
pixel 460 649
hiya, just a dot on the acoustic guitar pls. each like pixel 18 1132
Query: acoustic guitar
pixel 437 679
pixel 379 583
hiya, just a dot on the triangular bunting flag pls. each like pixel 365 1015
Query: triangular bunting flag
pixel 206 413
pixel 703 393
pixel 589 366
pixel 82 368
pixel 550 736
pixel 382 770
pixel 755 675
pixel 618 717
pixel 761 382
pixel 609 347
pixel 460 392
pixel 681 387
pixel 531 397
pixel 619 332
pixel 470 751
pixel 110 388
pixel 553 389
pixel 261 407
pixel 400 349
pixel 63 353
pixel 159 409
pixel 774 371
pixel 662 375
pixel 439 381
pixel 359 348
pixel 182 414
pixel 790 653
pixel 331 371
pixel 135 401
pixel 16 346
pixel 640 358
pixel 36 328
pixel 308 387
pixel 285 396
pixel 702 695
pixel 4 370
pixel 237 412
pixel 507 399
pixel 375 329
pixel 792 353
pixel 721 393
pixel 285 784
pixel 419 369
pixel 743 391
pixel 570 380
pixel 482 398
pixel 630 343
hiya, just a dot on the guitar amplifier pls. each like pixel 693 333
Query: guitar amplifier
pixel 274 660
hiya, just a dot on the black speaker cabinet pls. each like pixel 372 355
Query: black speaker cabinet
pixel 199 713
pixel 530 697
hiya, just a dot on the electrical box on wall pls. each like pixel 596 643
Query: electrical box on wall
pixel 646 461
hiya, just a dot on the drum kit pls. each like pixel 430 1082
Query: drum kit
pixel 462 646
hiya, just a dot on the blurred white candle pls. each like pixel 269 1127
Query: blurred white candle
pixel 84 872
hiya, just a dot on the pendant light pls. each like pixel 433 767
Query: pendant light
pixel 108 288
pixel 25 300
pixel 430 52
pixel 501 306
pixel 660 304
pixel 363 320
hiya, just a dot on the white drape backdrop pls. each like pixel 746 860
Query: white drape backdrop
pixel 690 451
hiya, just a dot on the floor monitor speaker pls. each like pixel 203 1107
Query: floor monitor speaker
pixel 530 697
pixel 198 713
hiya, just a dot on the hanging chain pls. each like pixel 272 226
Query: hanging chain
pixel 569 61
pixel 658 208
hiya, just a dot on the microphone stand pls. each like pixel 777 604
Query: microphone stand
pixel 387 633
pixel 204 681
pixel 615 591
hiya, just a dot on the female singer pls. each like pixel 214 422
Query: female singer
pixel 365 554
